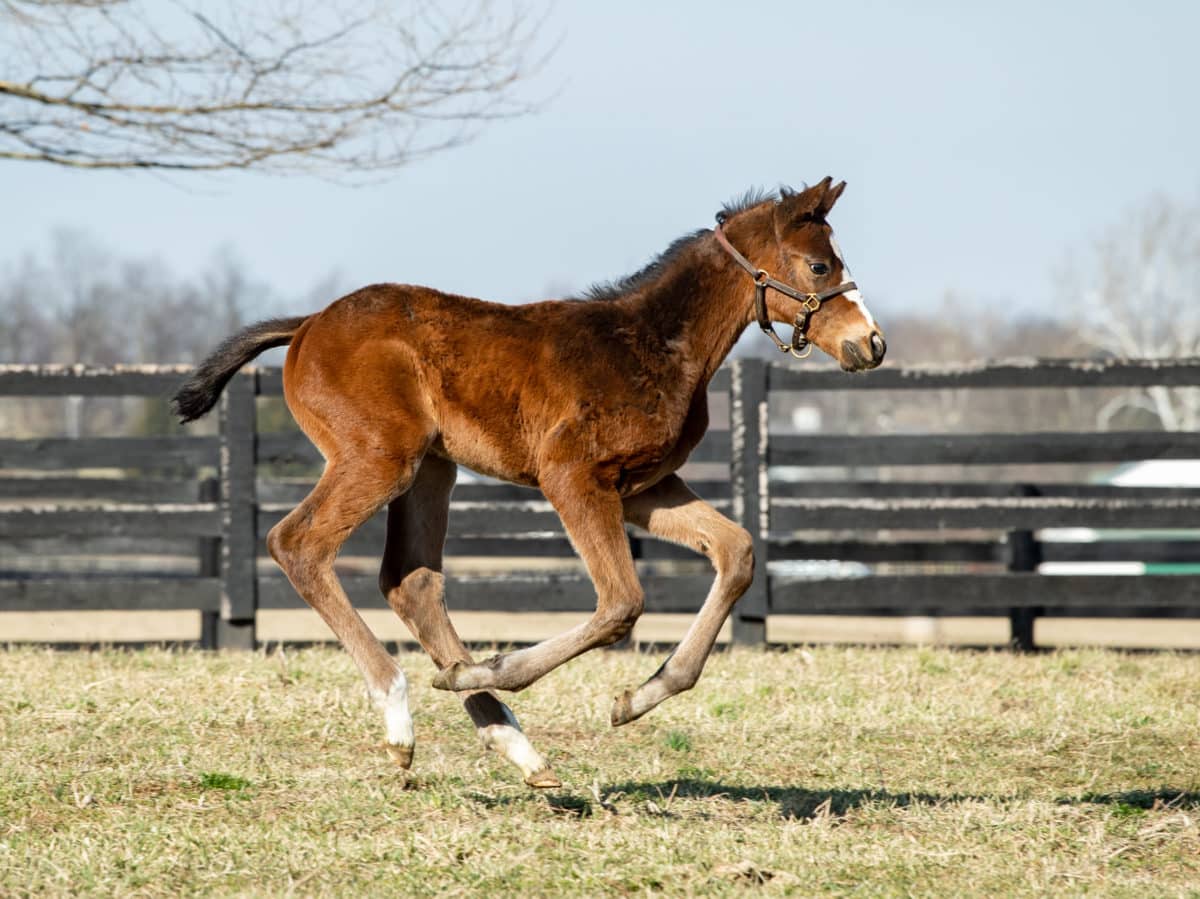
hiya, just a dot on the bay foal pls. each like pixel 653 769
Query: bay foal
pixel 596 402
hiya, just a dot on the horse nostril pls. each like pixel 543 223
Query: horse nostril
pixel 878 346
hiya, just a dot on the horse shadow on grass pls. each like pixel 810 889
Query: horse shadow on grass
pixel 792 801
pixel 795 802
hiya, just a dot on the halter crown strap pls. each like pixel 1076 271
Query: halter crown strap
pixel 732 250
pixel 809 302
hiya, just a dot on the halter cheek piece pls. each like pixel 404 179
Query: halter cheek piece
pixel 809 302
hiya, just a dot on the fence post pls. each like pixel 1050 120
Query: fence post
pixel 748 489
pixel 208 550
pixel 1024 555
pixel 239 582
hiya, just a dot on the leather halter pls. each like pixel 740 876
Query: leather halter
pixel 809 302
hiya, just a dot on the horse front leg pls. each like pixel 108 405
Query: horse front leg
pixel 593 516
pixel 671 511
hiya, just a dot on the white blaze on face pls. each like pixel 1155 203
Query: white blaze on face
pixel 852 295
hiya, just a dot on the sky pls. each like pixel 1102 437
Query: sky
pixel 982 143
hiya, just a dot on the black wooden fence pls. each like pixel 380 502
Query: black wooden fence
pixel 977 539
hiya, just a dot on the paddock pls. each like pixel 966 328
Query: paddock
pixel 791 767
pixel 918 771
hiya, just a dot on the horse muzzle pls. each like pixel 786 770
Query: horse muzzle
pixel 865 356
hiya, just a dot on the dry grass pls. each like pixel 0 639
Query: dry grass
pixel 893 772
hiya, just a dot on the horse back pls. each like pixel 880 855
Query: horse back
pixel 506 390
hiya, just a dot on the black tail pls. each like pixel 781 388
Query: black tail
pixel 200 392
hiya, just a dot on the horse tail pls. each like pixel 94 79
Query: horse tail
pixel 200 392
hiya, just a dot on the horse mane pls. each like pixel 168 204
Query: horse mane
pixel 611 290
pixel 751 198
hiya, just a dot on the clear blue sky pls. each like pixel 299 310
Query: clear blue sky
pixel 980 142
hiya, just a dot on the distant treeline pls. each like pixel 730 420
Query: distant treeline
pixel 79 302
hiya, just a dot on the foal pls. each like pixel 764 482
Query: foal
pixel 595 402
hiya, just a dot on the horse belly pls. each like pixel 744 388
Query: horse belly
pixel 487 451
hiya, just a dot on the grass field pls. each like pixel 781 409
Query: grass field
pixel 877 771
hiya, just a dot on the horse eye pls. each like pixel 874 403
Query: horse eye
pixel 819 268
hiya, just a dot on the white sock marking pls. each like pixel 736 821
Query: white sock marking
pixel 508 740
pixel 396 717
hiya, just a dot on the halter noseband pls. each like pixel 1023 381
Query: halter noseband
pixel 809 302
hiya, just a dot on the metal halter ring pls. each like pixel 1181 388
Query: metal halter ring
pixel 804 353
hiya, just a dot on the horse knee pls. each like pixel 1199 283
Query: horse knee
pixel 406 591
pixel 292 552
pixel 619 619
pixel 736 563
pixel 390 580
pixel 282 545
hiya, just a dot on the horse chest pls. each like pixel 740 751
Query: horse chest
pixel 664 447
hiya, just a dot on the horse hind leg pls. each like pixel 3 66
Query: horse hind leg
pixel 671 511
pixel 305 543
pixel 412 580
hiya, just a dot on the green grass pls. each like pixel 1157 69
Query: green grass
pixel 216 780
pixel 882 772
pixel 678 740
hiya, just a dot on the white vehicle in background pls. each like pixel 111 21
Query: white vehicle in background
pixel 1182 473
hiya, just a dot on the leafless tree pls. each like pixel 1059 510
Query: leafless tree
pixel 1138 297
pixel 83 302
pixel 345 88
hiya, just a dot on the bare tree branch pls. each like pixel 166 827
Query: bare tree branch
pixel 1138 298
pixel 350 88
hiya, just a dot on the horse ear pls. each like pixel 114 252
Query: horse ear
pixel 820 191
pixel 807 204
pixel 831 197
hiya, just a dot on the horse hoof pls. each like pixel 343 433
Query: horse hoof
pixel 485 676
pixel 447 678
pixel 622 710
pixel 545 779
pixel 401 755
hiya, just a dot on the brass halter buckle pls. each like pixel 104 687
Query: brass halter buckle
pixel 800 346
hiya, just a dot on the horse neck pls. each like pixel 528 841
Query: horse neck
pixel 704 301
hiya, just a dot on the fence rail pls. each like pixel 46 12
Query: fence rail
pixel 59 495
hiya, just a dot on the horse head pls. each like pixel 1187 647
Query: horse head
pixel 813 291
